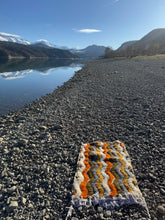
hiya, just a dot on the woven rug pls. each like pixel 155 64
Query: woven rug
pixel 105 177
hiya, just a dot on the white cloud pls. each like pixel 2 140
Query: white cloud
pixel 88 31
pixel 111 3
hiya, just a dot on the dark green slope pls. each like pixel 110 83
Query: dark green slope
pixel 14 50
pixel 151 44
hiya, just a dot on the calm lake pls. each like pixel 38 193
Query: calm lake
pixel 23 81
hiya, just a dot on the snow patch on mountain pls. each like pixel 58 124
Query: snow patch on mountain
pixel 13 38
pixel 9 35
pixel 3 38
pixel 17 39
pixel 45 42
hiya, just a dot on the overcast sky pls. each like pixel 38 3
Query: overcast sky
pixel 79 23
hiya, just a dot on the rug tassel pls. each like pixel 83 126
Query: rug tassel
pixel 69 212
pixel 148 213
pixel 145 205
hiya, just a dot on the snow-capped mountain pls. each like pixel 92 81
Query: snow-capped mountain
pixel 45 43
pixel 13 38
pixel 17 39
pixel 89 52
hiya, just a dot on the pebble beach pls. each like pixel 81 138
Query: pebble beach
pixel 106 100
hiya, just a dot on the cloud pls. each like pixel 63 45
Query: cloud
pixel 111 3
pixel 88 31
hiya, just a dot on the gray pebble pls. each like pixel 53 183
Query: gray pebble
pixel 80 208
pixel 12 189
pixel 30 206
pixel 41 190
pixel 101 216
pixel 162 191
pixel 107 213
pixel 22 142
pixel 43 128
pixel 161 210
pixel 100 209
pixel 23 200
pixel 152 176
pixel 6 151
pixel 13 204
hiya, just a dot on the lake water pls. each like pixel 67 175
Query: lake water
pixel 22 82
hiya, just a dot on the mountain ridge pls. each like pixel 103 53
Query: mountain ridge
pixel 12 38
pixel 151 44
pixel 9 50
pixel 90 52
pixel 126 44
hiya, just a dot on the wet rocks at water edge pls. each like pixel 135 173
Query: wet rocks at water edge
pixel 105 101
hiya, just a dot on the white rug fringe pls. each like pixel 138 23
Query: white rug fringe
pixel 108 203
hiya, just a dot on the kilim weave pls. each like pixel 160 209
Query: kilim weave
pixel 105 177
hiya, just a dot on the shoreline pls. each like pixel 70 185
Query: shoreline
pixel 104 101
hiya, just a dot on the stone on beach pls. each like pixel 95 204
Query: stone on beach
pixel 106 100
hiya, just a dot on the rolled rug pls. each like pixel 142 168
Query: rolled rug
pixel 105 178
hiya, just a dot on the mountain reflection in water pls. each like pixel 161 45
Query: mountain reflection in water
pixel 23 81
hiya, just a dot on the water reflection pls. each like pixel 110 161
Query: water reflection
pixel 23 81
pixel 15 75
pixel 35 64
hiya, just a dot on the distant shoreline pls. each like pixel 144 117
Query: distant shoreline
pixel 22 64
pixel 35 58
